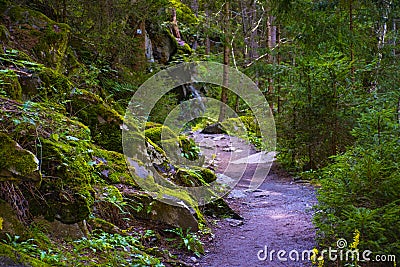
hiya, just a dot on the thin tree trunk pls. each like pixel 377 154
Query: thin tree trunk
pixel 278 37
pixel 271 44
pixel 351 28
pixel 224 91
pixel 207 42
pixel 174 25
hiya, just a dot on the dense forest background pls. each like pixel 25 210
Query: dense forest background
pixel 328 68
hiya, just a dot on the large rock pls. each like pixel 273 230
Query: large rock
pixel 34 33
pixel 179 215
pixel 164 45
pixel 17 163
pixel 215 128
pixel 104 122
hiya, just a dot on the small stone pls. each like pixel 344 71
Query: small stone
pixel 234 222
pixel 218 138
pixel 194 259
pixel 261 194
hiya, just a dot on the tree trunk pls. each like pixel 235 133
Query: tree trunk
pixel 174 25
pixel 351 28
pixel 207 42
pixel 224 91
pixel 278 37
pixel 271 44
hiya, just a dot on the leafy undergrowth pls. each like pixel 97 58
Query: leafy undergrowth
pixel 132 247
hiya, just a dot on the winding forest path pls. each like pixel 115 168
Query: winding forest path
pixel 277 214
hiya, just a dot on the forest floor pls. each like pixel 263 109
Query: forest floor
pixel 276 216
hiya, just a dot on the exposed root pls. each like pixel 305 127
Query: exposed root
pixel 13 195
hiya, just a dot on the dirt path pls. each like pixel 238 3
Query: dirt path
pixel 277 214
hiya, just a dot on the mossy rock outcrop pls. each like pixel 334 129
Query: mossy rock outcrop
pixel 164 44
pixel 35 33
pixel 179 215
pixel 16 163
pixel 158 133
pixel 25 80
pixel 104 122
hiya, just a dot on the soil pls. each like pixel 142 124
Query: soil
pixel 276 216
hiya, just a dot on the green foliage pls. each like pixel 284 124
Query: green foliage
pixel 100 249
pixel 187 240
pixel 189 148
pixel 361 189
pixel 163 107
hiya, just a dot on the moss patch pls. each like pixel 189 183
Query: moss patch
pixel 104 122
pixel 37 33
pixel 155 133
pixel 183 13
pixel 12 257
pixel 10 85
pixel 17 163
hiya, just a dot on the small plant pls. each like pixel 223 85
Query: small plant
pixel 188 240
pixel 189 148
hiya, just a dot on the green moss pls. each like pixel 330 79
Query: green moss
pixel 103 121
pixel 151 124
pixel 184 49
pixel 16 162
pixel 248 122
pixel 111 166
pixel 54 84
pixel 12 257
pixel 67 181
pixel 154 134
pixel 10 85
pixel 47 39
pixel 183 13
pixel 188 178
pixel 207 175
pixel 4 34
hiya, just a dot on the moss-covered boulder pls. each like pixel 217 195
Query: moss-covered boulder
pixel 188 178
pixel 195 176
pixel 179 215
pixel 164 44
pixel 104 122
pixel 35 33
pixel 16 163
pixel 66 182
pixel 23 79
